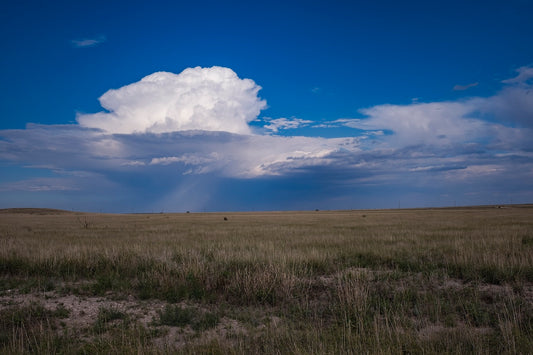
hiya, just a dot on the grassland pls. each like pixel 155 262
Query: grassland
pixel 393 281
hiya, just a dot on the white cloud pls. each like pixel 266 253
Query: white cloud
pixel 438 123
pixel 514 104
pixel 244 156
pixel 524 74
pixel 187 159
pixel 209 99
pixel 133 163
pixel 504 119
pixel 88 42
pixel 275 124
pixel 172 132
pixel 274 155
pixel 478 170
pixel 228 154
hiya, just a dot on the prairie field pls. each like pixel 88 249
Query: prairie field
pixel 450 280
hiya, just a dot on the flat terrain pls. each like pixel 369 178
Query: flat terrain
pixel 450 280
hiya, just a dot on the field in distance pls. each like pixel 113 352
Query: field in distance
pixel 449 280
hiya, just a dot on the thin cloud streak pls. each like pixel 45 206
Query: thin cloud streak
pixel 88 42
pixel 465 87
pixel 40 184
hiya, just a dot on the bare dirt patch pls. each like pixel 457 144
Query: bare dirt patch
pixel 83 314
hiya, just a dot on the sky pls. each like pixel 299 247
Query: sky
pixel 174 106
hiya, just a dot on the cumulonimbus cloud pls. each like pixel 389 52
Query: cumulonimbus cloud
pixel 207 99
pixel 193 126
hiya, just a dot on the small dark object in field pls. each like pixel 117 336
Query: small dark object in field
pixel 84 223
pixel 527 240
pixel 188 212
pixel 316 210
pixel 225 218
pixel 364 216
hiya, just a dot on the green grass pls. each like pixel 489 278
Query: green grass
pixel 418 281
pixel 106 316
pixel 180 317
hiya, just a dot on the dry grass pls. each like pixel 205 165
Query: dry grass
pixel 431 280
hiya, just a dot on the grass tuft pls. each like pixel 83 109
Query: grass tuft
pixel 177 316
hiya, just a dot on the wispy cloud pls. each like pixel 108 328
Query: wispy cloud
pixel 524 75
pixel 88 42
pixel 276 124
pixel 465 87
pixel 40 184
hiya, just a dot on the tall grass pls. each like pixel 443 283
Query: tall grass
pixel 446 280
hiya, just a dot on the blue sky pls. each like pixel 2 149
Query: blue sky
pixel 208 105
